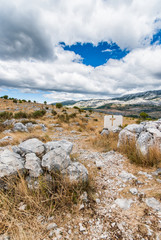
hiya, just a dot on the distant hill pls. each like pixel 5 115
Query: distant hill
pixel 66 103
pixel 143 98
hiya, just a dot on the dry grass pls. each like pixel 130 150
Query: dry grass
pixel 53 198
pixel 104 143
pixel 153 158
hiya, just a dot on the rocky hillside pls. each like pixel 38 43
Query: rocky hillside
pixel 144 98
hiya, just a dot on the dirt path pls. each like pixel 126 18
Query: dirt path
pixel 121 208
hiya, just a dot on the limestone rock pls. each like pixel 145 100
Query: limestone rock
pixel 135 128
pixel 33 165
pixel 9 122
pixel 153 203
pixel 143 142
pixel 19 127
pixel 32 146
pixel 76 172
pixel 10 163
pixel 62 144
pixel 124 203
pixel 126 176
pixel 105 131
pixel 56 159
pixel 126 136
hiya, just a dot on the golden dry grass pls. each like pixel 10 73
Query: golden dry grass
pixel 153 158
pixel 52 198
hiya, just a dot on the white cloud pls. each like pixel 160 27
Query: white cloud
pixel 126 22
pixel 31 59
pixel 140 70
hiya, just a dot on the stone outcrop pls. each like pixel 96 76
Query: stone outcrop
pixel 37 157
pixel 146 135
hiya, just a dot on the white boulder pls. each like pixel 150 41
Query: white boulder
pixel 143 142
pixel 19 127
pixel 56 159
pixel 10 163
pixel 32 146
pixel 76 172
pixel 62 144
pixel 135 128
pixel 33 165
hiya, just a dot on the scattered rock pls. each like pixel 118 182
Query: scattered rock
pixel 19 127
pixel 51 226
pixel 124 203
pixel 127 176
pixel 62 144
pixel 76 172
pixel 32 146
pixel 153 203
pixel 10 163
pixel 33 165
pixel 133 191
pixel 56 160
pixel 105 131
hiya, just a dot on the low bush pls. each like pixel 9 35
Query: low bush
pixel 38 113
pixel 20 115
pixel 6 115
pixel 59 105
pixel 54 112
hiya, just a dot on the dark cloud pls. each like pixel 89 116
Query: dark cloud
pixel 21 36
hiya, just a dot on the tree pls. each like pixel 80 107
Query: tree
pixel 5 96
pixel 144 115
pixel 45 102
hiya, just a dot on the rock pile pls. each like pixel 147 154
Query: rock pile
pixel 146 135
pixel 36 157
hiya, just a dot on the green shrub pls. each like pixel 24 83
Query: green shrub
pixel 59 105
pixel 72 115
pixel 38 113
pixel 54 112
pixel 6 115
pixel 20 115
pixel 15 100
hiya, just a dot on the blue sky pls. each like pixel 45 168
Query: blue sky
pixel 61 50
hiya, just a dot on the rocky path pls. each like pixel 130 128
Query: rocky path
pixel 121 209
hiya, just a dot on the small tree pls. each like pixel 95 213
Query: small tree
pixel 144 115
pixel 45 102
pixel 59 105
pixel 5 96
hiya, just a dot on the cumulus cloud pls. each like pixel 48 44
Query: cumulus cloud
pixel 32 59
pixel 139 70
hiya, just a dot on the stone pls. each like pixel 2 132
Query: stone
pixel 143 142
pixel 32 146
pixel 10 163
pixel 116 130
pixel 62 144
pixel 153 203
pixel 133 191
pixel 81 228
pixel 125 136
pixel 33 165
pixel 105 132
pixel 6 139
pixel 44 128
pixel 76 172
pixel 135 128
pixel 29 125
pixel 51 226
pixel 56 159
pixel 9 122
pixel 127 176
pixel 19 127
pixel 113 121
pixel 125 204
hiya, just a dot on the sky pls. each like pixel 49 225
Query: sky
pixel 56 50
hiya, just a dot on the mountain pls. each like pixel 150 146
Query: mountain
pixel 152 98
pixel 66 103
